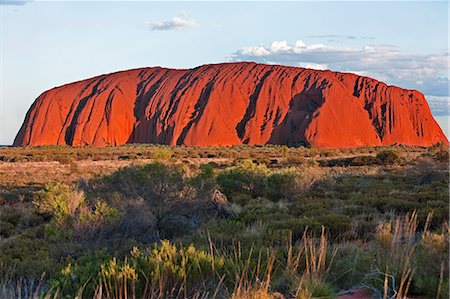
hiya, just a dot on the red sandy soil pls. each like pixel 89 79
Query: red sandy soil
pixel 228 104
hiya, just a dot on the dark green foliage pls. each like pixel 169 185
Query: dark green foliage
pixel 6 229
pixel 430 259
pixel 350 265
pixel 11 215
pixel 204 181
pixel 336 223
pixel 29 255
pixel 388 157
pixel 364 160
pixel 154 182
pixel 353 161
pixel 83 271
pixel 10 218
pixel 246 177
pixel 283 184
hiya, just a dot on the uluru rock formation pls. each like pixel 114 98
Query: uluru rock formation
pixel 229 104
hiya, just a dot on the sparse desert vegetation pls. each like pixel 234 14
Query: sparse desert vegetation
pixel 144 221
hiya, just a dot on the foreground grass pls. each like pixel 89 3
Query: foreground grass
pixel 244 222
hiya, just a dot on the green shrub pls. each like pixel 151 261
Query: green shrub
pixel 430 258
pixel 71 211
pixel 283 184
pixel 364 160
pixel 29 255
pixel 61 201
pixel 162 154
pixel 336 223
pixel 352 161
pixel 11 214
pixel 440 152
pixel 102 213
pixel 350 265
pixel 6 229
pixel 388 157
pixel 204 181
pixel 154 182
pixel 85 271
pixel 246 177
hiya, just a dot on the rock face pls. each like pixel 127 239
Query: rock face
pixel 229 104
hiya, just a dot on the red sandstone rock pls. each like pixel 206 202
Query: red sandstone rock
pixel 228 104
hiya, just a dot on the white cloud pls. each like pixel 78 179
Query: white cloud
pixel 316 66
pixel 425 72
pixel 300 44
pixel 14 2
pixel 176 23
pixel 255 51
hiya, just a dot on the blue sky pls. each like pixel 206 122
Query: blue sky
pixel 49 43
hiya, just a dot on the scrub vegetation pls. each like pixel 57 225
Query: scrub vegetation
pixel 143 221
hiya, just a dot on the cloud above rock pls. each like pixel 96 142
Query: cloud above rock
pixel 176 23
pixel 427 73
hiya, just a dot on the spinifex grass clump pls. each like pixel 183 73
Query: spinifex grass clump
pixel 397 258
pixel 25 288
pixel 396 241
pixel 169 271
pixel 251 281
pixel 313 280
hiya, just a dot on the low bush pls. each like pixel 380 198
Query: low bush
pixel 6 229
pixel 82 272
pixel 389 157
pixel 296 160
pixel 29 255
pixel 350 265
pixel 158 272
pixel 440 152
pixel 204 181
pixel 155 182
pixel 71 211
pixel 61 201
pixel 245 177
pixel 162 154
pixel 283 184
pixel 430 261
